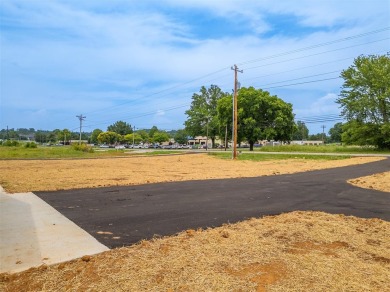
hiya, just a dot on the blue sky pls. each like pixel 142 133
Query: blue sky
pixel 141 61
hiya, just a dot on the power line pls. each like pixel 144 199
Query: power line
pixel 256 60
pixel 303 77
pixel 316 54
pixel 252 61
pixel 306 67
pixel 316 46
pixel 293 84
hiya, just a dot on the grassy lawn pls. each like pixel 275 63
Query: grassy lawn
pixel 265 157
pixel 320 149
pixel 66 152
pixel 63 152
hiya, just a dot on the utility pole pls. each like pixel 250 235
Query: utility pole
pixel 133 135
pixel 323 133
pixel 207 133
pixel 81 118
pixel 235 117
pixel 226 137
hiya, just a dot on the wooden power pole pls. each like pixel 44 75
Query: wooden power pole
pixel 235 116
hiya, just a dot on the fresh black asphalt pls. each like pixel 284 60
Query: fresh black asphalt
pixel 128 214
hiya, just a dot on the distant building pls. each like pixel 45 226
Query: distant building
pixel 307 142
pixel 77 142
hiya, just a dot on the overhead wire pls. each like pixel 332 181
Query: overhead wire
pixel 254 61
pixel 316 46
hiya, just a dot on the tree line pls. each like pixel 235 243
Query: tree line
pixel 364 100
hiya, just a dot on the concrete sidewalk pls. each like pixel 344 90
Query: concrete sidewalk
pixel 33 233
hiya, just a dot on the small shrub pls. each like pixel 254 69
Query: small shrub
pixel 11 143
pixel 30 145
pixel 83 148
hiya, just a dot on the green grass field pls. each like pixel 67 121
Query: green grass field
pixel 320 149
pixel 66 152
pixel 265 157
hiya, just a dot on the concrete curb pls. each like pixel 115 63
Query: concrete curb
pixel 34 233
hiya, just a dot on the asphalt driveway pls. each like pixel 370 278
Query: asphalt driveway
pixel 120 216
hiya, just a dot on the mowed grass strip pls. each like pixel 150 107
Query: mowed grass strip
pixel 298 251
pixel 321 149
pixel 267 157
pixel 66 152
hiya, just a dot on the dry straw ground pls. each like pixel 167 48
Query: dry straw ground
pixel 298 251
pixel 39 175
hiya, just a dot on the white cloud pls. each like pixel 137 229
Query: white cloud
pixel 92 55
pixel 322 107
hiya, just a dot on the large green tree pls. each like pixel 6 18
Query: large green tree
pixel 181 137
pixel 153 130
pixel 109 137
pixel 202 115
pixel 365 101
pixel 133 137
pixel 160 136
pixel 335 133
pixel 94 136
pixel 260 116
pixel 144 135
pixel 225 116
pixel 301 132
pixel 121 128
pixel 64 135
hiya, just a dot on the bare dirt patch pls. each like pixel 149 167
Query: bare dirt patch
pixel 50 175
pixel 298 251
pixel 379 182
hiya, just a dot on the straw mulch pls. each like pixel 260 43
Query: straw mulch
pixel 379 181
pixel 36 175
pixel 298 251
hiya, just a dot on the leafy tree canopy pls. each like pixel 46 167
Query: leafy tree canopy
pixel 202 115
pixel 181 137
pixel 365 101
pixel 121 128
pixel 153 130
pixel 301 132
pixel 129 138
pixel 335 133
pixel 94 135
pixel 109 137
pixel 260 116
pixel 159 137
pixel 64 135
pixel 144 135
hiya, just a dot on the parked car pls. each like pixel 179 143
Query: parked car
pixel 119 147
pixel 104 146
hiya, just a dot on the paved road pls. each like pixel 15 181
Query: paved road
pixel 118 216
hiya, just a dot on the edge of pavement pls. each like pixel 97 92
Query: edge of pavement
pixel 33 233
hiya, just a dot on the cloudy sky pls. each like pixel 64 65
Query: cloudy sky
pixel 141 61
